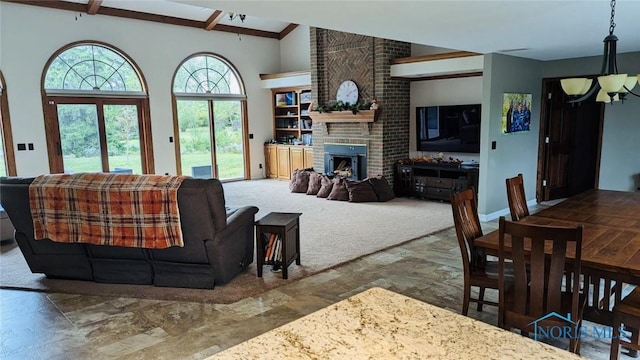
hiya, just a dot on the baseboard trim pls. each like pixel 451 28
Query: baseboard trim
pixel 496 214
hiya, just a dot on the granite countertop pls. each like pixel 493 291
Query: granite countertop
pixel 378 323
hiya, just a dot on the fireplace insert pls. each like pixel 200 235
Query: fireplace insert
pixel 346 160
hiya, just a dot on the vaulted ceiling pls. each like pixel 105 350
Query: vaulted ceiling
pixel 540 29
pixel 169 12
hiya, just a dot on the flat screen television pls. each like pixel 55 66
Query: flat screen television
pixel 453 128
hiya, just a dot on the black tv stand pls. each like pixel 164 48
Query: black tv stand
pixel 434 180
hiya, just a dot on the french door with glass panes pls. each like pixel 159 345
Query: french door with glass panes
pixel 97 135
pixel 205 124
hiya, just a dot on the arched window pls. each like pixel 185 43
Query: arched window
pixel 210 122
pixel 206 74
pixel 7 160
pixel 96 111
pixel 92 67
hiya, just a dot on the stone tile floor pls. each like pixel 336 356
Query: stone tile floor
pixel 61 326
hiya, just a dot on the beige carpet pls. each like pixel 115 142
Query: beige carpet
pixel 332 232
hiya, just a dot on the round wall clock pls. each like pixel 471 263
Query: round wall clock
pixel 348 92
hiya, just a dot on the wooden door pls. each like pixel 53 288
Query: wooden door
pixel 297 158
pixel 284 167
pixel 271 161
pixel 569 150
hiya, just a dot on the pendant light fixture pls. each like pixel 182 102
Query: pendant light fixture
pixel 610 85
pixel 233 16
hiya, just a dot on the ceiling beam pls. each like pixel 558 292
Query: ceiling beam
pixel 245 31
pixel 137 15
pixel 439 77
pixel 287 30
pixel 213 20
pixel 284 75
pixel 431 57
pixel 93 6
pixel 61 5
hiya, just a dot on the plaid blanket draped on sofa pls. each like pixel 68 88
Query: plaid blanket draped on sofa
pixel 107 209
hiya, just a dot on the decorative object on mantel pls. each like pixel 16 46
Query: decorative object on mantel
pixel 440 160
pixel 348 92
pixel 339 105
pixel 362 116
pixel 374 104
pixel 338 111
pixel 611 85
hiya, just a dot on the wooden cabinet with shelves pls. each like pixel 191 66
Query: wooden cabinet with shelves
pixel 296 156
pixel 291 118
pixel 433 181
pixel 271 161
pixel 284 163
pixel 291 132
pixel 308 157
pixel 282 160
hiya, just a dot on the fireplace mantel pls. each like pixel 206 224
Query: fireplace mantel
pixel 347 116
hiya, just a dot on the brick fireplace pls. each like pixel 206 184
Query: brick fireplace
pixel 338 56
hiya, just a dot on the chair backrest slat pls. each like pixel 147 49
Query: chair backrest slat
pixel 537 279
pixel 516 198
pixel 557 266
pixel 520 281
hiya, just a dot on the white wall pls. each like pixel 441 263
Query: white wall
pixel 420 50
pixel 29 35
pixel 620 157
pixel 460 91
pixel 514 153
pixel 295 50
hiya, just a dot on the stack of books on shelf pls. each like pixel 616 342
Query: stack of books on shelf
pixel 273 249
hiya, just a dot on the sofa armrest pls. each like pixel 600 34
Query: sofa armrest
pixel 232 249
pixel 242 217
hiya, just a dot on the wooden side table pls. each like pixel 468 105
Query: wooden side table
pixel 287 227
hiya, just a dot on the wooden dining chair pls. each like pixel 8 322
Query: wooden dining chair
pixel 516 197
pixel 477 270
pixel 626 312
pixel 603 292
pixel 536 297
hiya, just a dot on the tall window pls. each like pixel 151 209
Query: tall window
pixel 7 159
pixel 96 111
pixel 211 119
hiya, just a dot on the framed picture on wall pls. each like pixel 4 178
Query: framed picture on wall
pixel 516 113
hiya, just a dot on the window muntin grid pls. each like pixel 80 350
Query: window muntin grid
pixel 92 67
pixel 206 74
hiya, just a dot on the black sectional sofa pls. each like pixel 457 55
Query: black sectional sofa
pixel 216 248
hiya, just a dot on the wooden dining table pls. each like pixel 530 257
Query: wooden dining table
pixel 610 244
